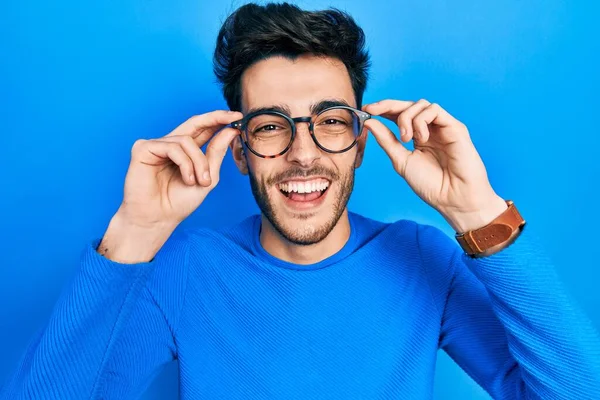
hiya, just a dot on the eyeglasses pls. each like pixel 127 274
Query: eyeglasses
pixel 269 134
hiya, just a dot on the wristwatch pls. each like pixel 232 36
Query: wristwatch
pixel 500 230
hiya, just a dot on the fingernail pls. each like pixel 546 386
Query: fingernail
pixel 402 132
pixel 206 175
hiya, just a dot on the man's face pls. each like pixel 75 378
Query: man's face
pixel 301 218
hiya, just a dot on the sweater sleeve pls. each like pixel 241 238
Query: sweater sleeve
pixel 507 320
pixel 108 334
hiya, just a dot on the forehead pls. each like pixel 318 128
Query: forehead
pixel 295 83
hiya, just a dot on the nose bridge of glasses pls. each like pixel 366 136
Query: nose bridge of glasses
pixel 304 141
pixel 301 119
pixel 297 120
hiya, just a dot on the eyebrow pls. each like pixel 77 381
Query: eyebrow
pixel 282 108
pixel 315 108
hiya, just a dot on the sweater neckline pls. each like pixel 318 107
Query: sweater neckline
pixel 345 251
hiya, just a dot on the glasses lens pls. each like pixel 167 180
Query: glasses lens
pixel 337 128
pixel 268 134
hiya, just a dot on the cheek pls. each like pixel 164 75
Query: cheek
pixel 262 170
pixel 254 166
pixel 346 163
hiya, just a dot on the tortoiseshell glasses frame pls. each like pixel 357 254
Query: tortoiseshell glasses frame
pixel 242 125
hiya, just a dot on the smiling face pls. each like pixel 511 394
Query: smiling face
pixel 304 192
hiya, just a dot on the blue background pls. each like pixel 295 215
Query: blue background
pixel 80 81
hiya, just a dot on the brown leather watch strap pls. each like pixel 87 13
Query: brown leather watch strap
pixel 498 231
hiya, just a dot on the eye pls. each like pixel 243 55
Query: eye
pixel 333 121
pixel 266 128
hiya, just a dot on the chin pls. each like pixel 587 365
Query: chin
pixel 303 210
pixel 302 232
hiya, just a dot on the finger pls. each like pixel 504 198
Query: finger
pixel 443 118
pixel 216 149
pixel 401 112
pixel 436 115
pixel 203 127
pixel 421 122
pixel 175 153
pixel 440 116
pixel 405 121
pixel 388 106
pixel 386 139
pixel 198 158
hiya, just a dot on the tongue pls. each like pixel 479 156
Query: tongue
pixel 305 196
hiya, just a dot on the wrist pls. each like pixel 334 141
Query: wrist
pixel 129 243
pixel 468 221
pixel 495 235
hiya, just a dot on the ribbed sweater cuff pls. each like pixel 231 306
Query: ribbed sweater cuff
pixel 100 268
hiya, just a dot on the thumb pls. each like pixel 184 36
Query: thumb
pixel 216 149
pixel 388 141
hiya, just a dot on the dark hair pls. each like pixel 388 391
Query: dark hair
pixel 253 33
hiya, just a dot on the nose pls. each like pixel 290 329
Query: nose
pixel 304 151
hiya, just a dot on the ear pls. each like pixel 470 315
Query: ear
pixel 237 149
pixel 360 145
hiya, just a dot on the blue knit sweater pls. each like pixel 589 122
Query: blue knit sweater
pixel 365 323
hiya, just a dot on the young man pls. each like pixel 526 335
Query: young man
pixel 308 300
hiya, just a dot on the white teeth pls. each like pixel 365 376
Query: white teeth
pixel 304 187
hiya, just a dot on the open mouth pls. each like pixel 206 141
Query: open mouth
pixel 304 191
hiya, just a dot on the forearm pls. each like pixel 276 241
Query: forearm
pixel 67 358
pixel 554 343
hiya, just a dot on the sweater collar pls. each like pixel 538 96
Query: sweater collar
pixel 261 253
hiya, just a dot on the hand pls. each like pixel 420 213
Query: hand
pixel 168 178
pixel 444 169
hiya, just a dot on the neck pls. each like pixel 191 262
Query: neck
pixel 280 247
